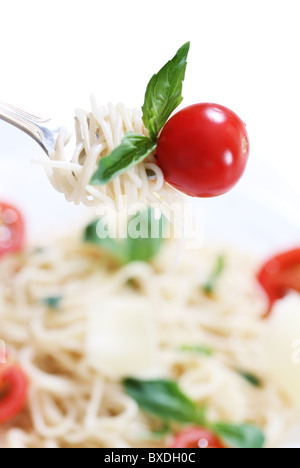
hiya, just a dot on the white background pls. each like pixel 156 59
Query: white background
pixel 244 54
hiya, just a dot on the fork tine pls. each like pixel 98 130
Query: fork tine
pixel 21 113
pixel 35 127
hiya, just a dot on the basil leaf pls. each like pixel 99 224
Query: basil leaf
pixel 53 302
pixel 150 236
pixel 162 432
pixel 251 378
pixel 240 436
pixel 132 150
pixel 96 233
pixel 163 93
pixel 198 349
pixel 164 399
pixel 144 237
pixel 210 285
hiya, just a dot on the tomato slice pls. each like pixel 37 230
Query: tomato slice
pixel 13 392
pixel 279 275
pixel 12 229
pixel 195 437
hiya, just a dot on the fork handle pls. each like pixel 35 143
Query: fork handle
pixel 26 122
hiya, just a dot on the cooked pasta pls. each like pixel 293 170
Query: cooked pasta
pixel 97 133
pixel 76 399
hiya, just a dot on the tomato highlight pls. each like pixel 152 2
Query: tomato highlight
pixel 12 229
pixel 279 275
pixel 195 437
pixel 203 150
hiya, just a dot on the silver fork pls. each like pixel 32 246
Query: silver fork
pixel 44 132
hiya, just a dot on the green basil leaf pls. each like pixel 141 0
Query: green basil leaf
pixel 161 432
pixel 251 378
pixel 164 400
pixel 53 302
pixel 198 349
pixel 143 242
pixel 132 150
pixel 97 233
pixel 163 93
pixel 150 236
pixel 210 284
pixel 240 436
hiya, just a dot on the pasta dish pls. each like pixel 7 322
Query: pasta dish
pixel 79 324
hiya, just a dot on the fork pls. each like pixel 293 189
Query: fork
pixel 44 132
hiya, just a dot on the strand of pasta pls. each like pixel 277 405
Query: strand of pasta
pixel 97 133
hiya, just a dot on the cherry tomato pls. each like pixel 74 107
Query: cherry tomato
pixel 203 150
pixel 11 229
pixel 195 437
pixel 279 275
pixel 13 391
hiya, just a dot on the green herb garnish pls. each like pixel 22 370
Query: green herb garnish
pixel 133 149
pixel 210 285
pixel 198 349
pixel 95 234
pixel 239 435
pixel 161 432
pixel 143 241
pixel 163 95
pixel 164 400
pixel 53 302
pixel 251 378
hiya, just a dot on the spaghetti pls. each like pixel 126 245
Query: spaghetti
pixel 74 403
pixel 97 133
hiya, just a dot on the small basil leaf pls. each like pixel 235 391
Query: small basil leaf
pixel 163 93
pixel 161 432
pixel 210 284
pixel 198 349
pixel 164 400
pixel 132 150
pixel 143 242
pixel 251 378
pixel 96 233
pixel 53 302
pixel 240 436
pixel 145 236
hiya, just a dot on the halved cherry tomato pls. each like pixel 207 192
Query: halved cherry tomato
pixel 279 275
pixel 195 437
pixel 12 229
pixel 13 391
pixel 203 150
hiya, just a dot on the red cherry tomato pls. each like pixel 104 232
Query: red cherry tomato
pixel 12 229
pixel 13 391
pixel 203 150
pixel 279 275
pixel 196 437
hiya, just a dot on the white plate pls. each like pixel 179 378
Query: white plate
pixel 259 215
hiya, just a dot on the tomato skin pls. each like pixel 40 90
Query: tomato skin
pixel 203 150
pixel 279 275
pixel 195 437
pixel 12 229
pixel 14 385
